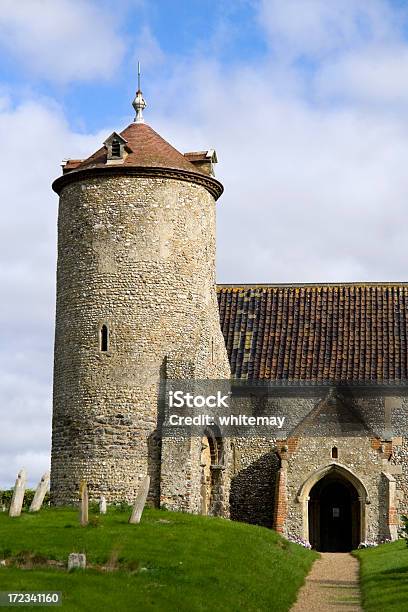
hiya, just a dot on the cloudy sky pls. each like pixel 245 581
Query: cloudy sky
pixel 305 101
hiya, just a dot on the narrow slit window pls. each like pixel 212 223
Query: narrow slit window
pixel 115 148
pixel 335 452
pixel 104 338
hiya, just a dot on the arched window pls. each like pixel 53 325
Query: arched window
pixel 115 148
pixel 335 452
pixel 104 338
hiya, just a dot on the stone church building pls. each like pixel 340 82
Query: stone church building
pixel 138 304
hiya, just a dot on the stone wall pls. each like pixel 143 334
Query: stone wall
pixel 137 255
pixel 254 468
pixel 181 472
pixel 267 474
pixel 357 456
pixel 399 433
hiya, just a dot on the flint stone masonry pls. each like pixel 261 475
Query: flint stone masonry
pixel 138 255
pixel 137 305
pixel 254 467
pixel 259 492
pixel 267 474
pixel 357 456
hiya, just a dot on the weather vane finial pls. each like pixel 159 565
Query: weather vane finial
pixel 139 103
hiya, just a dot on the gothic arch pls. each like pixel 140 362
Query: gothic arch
pixel 304 494
pixel 212 465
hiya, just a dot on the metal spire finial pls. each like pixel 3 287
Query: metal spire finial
pixel 139 103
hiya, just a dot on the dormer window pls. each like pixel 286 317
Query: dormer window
pixel 203 160
pixel 116 149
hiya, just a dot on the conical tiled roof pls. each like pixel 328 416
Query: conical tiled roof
pixel 146 154
pixel 146 148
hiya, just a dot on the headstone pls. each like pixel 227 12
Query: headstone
pixel 83 515
pixel 76 560
pixel 140 501
pixel 18 494
pixel 102 505
pixel 40 493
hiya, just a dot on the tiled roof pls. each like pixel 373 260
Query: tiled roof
pixel 147 149
pixel 146 154
pixel 340 332
pixel 196 155
pixel 71 164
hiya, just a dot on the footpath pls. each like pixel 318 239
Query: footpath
pixel 331 585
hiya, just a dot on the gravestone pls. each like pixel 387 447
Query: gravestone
pixel 140 501
pixel 83 514
pixel 18 494
pixel 102 505
pixel 40 493
pixel 76 560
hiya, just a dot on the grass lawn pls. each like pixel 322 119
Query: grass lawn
pixel 171 561
pixel 384 577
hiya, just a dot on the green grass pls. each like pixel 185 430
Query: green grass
pixel 384 577
pixel 189 563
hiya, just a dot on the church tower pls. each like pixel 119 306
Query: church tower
pixel 136 303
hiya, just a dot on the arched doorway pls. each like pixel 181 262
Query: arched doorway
pixel 333 501
pixel 334 514
pixel 211 462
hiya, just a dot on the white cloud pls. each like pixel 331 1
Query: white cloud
pixel 314 190
pixel 35 463
pixel 375 75
pixel 148 51
pixel 62 40
pixel 37 138
pixel 316 28
pixel 311 193
pixel 342 50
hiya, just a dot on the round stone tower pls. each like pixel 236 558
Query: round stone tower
pixel 135 296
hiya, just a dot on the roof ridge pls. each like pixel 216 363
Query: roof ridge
pixel 330 284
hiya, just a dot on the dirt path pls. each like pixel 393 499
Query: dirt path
pixel 332 585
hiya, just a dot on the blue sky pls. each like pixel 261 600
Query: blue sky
pixel 183 30
pixel 305 101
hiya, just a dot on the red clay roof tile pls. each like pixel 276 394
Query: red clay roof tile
pixel 147 149
pixel 340 332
